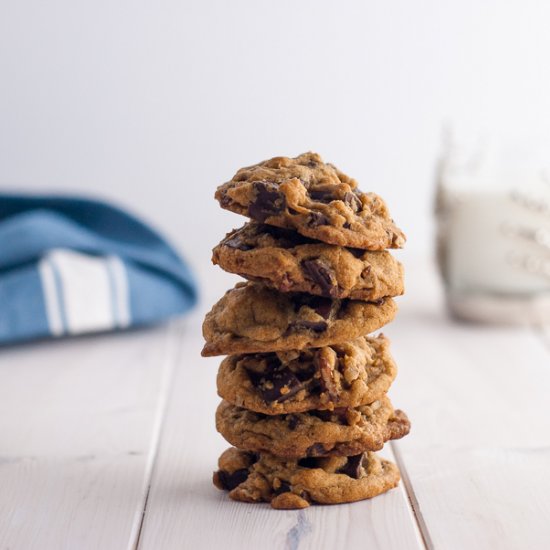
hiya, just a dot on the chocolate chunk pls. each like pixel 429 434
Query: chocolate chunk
pixel 293 421
pixel 277 385
pixel 317 449
pixel 269 201
pixel 353 466
pixel 322 195
pixel 306 373
pixel 357 252
pixel 322 306
pixel 353 201
pixel 308 462
pixel 316 219
pixel 230 481
pixel 284 488
pixel 327 375
pixel 321 274
pixel 315 326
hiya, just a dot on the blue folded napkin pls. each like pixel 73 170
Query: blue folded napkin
pixel 72 265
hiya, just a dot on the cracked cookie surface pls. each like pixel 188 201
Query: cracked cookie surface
pixel 292 484
pixel 289 262
pixel 252 318
pixel 342 375
pixel 315 199
pixel 341 432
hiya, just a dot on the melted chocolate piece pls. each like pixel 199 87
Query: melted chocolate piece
pixel 269 201
pixel 327 376
pixel 353 201
pixel 353 466
pixel 316 219
pixel 230 481
pixel 308 462
pixel 271 383
pixel 322 275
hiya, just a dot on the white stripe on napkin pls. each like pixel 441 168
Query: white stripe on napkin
pixel 119 291
pixel 51 297
pixel 84 293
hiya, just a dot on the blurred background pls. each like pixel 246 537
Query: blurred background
pixel 154 104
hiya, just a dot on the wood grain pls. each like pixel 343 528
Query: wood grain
pixel 479 450
pixel 77 425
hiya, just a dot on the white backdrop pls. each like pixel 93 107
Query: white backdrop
pixel 155 103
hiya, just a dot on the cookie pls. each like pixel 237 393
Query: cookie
pixel 341 432
pixel 252 318
pixel 289 262
pixel 290 484
pixel 313 198
pixel 342 375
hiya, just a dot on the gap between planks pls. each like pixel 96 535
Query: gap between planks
pixel 171 355
pixel 411 496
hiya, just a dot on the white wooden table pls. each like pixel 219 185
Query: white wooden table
pixel 109 442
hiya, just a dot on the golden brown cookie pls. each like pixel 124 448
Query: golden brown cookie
pixel 289 262
pixel 341 432
pixel 290 484
pixel 313 198
pixel 252 318
pixel 342 375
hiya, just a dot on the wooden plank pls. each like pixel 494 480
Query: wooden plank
pixel 77 434
pixel 479 450
pixel 185 510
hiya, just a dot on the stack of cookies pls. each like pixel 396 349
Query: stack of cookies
pixel 304 386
